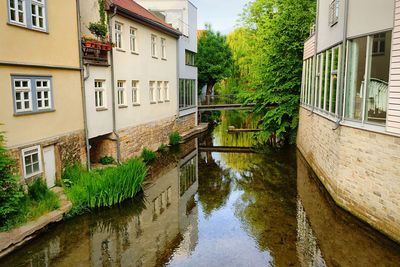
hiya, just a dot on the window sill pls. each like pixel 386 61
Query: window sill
pixel 153 102
pixel 154 57
pixel 122 106
pixel 27 28
pixel 165 59
pixel 186 108
pixel 120 50
pixel 167 100
pixel 17 114
pixel 160 101
pixel 101 109
pixel 33 175
pixel 134 53
pixel 136 104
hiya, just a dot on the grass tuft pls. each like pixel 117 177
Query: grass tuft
pixel 148 155
pixel 175 138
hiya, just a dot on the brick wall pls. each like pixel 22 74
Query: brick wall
pixel 360 169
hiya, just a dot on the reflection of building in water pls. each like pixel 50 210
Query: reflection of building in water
pixel 126 236
pixel 307 248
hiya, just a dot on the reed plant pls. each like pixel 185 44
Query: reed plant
pixel 103 188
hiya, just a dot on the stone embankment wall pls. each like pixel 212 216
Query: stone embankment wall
pixel 359 168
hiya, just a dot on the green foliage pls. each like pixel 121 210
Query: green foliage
pixel 102 11
pixel 267 52
pixel 214 58
pixel 11 194
pixel 99 29
pixel 148 155
pixel 175 138
pixel 103 188
pixel 162 148
pixel 107 160
pixel 40 200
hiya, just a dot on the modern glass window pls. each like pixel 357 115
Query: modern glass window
pixel 121 93
pixel 133 43
pixel 166 91
pixel 151 92
pixel 368 78
pixel 153 45
pixel 118 35
pixel 159 91
pixel 135 93
pixel 187 93
pixel 163 48
pixel 100 94
pixel 31 14
pixel 190 58
pixel 31 158
pixel 334 12
pixel 32 94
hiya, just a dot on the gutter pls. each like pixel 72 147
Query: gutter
pixel 113 85
pixel 78 13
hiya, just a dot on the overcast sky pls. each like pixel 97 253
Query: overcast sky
pixel 222 14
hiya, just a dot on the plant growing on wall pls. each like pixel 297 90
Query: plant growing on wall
pixel 100 28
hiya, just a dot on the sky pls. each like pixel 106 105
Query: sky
pixel 222 14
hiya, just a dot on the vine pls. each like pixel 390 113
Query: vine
pixel 100 28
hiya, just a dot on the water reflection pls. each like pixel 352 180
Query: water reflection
pixel 207 208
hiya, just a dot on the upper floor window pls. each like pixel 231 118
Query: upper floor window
pixel 118 35
pixel 121 94
pixel 99 94
pixel 133 40
pixel 187 93
pixel 163 48
pixel 32 94
pixel 334 12
pixel 153 45
pixel 135 93
pixel 28 13
pixel 189 58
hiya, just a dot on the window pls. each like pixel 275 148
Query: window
pixel 368 78
pixel 28 13
pixel 133 40
pixel 189 58
pixel 17 11
pixel 187 93
pixel 38 9
pixel 135 93
pixel 334 12
pixel 159 91
pixel 99 94
pixel 121 93
pixel 43 94
pixel 118 35
pixel 151 92
pixel 32 161
pixel 163 48
pixel 153 46
pixel 166 91
pixel 32 94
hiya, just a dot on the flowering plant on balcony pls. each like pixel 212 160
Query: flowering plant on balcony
pixel 91 42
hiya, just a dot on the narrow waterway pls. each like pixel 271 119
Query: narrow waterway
pixel 208 206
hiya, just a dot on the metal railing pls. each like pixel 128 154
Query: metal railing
pixel 208 100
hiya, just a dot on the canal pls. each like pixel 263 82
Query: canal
pixel 205 207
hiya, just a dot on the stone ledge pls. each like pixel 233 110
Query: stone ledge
pixel 15 238
pixel 202 127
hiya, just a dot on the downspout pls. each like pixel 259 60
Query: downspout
pixel 78 13
pixel 113 86
pixel 343 67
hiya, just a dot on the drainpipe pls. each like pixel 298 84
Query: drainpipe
pixel 343 68
pixel 88 72
pixel 113 86
pixel 78 14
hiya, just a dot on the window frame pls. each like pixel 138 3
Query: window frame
pixel 153 51
pixel 152 95
pixel 39 152
pixel 118 35
pixel 190 57
pixel 121 94
pixel 159 92
pixel 133 40
pixel 166 91
pixel 101 90
pixel 334 12
pixel 163 48
pixel 28 15
pixel 43 89
pixel 188 88
pixel 135 91
pixel 33 100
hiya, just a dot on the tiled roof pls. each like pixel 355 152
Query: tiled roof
pixel 137 9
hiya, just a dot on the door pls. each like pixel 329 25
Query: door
pixel 49 166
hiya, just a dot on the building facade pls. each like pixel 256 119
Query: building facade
pixel 131 91
pixel 41 110
pixel 349 128
pixel 182 15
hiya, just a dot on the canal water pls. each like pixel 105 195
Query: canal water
pixel 209 205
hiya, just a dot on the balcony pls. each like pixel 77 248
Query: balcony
pixel 95 52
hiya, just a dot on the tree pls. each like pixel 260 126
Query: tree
pixel 280 28
pixel 214 58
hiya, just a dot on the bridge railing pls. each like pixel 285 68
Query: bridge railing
pixel 218 100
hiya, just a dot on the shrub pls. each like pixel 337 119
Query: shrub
pixel 11 193
pixel 99 29
pixel 148 155
pixel 107 160
pixel 162 148
pixel 175 138
pixel 103 188
pixel 40 200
